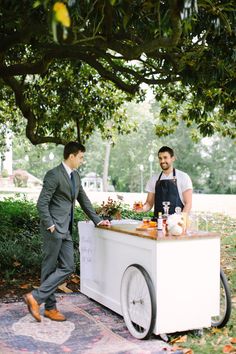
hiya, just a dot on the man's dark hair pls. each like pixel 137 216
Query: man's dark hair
pixel 166 149
pixel 73 147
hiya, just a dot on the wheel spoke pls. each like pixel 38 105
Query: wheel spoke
pixel 138 301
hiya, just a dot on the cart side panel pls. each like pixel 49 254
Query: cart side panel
pixel 105 255
pixel 187 284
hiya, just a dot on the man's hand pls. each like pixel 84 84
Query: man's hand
pixel 52 228
pixel 105 223
pixel 138 207
pixel 142 209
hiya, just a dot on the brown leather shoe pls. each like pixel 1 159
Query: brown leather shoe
pixel 54 315
pixel 33 306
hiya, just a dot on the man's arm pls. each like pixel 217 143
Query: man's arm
pixel 87 207
pixel 50 184
pixel 187 197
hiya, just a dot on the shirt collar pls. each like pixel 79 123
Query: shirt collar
pixel 67 168
pixel 170 175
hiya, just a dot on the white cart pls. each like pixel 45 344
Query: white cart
pixel 158 284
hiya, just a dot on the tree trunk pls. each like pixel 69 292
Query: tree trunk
pixel 106 167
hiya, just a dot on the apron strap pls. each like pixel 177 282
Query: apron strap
pixel 174 176
pixel 159 176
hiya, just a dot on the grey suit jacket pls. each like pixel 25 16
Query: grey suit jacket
pixel 56 200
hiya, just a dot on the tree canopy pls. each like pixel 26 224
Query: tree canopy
pixel 46 47
pixel 210 161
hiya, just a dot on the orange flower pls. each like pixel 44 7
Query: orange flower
pixel 61 14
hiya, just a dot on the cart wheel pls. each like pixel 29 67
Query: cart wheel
pixel 138 301
pixel 225 303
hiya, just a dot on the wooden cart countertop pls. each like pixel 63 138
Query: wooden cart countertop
pixel 154 234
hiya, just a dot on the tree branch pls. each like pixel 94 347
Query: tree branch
pixel 29 116
pixel 78 130
pixel 39 67
pixel 21 37
pixel 71 52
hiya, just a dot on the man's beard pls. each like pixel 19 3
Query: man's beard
pixel 165 166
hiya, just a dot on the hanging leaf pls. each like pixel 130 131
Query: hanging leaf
pixel 54 31
pixel 61 14
pixel 125 21
pixel 37 3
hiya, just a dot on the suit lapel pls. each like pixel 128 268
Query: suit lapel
pixel 67 178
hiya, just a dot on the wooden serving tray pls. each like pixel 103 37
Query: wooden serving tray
pixel 146 228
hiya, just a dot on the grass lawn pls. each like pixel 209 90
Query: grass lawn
pixel 216 340
pixel 213 340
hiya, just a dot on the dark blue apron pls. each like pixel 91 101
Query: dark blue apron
pixel 166 191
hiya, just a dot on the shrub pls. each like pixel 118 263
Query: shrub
pixel 20 178
pixel 20 239
pixel 20 242
pixel 5 173
pixel 127 213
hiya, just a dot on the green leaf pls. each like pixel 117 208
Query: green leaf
pixel 125 20
pixel 36 4
pixel 54 30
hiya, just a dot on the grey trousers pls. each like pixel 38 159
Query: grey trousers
pixel 57 265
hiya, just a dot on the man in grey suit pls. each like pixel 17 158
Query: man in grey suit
pixel 61 188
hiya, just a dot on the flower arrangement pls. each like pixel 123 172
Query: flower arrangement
pixel 110 209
